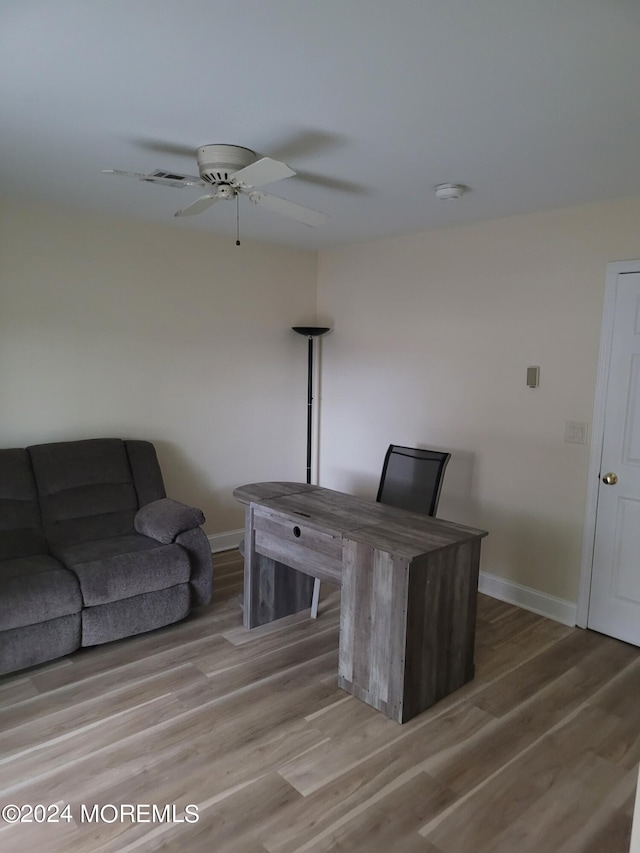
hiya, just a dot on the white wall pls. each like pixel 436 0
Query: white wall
pixel 116 327
pixel 112 327
pixel 433 333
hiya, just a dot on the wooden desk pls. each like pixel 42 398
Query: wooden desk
pixel 409 588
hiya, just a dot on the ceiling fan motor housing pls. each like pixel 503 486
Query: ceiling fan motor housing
pixel 218 163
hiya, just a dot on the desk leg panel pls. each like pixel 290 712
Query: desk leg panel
pixel 372 626
pixel 407 628
pixel 441 620
pixel 271 589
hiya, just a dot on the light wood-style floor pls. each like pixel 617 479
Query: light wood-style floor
pixel 538 753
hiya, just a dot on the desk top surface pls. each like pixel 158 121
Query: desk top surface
pixel 388 528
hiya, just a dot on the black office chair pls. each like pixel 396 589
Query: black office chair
pixel 411 479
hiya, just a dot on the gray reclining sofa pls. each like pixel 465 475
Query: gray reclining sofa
pixel 91 550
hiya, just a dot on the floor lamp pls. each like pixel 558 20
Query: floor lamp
pixel 311 332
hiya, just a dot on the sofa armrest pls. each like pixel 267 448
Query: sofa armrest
pixel 166 519
pixel 198 548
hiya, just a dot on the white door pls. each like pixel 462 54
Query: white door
pixel 614 606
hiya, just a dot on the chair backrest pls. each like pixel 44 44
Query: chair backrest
pixel 412 478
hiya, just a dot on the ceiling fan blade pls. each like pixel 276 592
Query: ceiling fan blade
pixel 305 143
pixel 166 179
pixel 332 183
pixel 288 208
pixel 263 171
pixel 197 206
pixel 126 174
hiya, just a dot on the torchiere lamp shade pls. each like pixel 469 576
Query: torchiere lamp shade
pixel 311 331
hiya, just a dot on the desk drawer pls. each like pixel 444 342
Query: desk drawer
pixel 297 543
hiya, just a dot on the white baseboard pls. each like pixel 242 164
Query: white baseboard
pixel 530 599
pixel 225 541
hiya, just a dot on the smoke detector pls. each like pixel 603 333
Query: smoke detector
pixel 450 191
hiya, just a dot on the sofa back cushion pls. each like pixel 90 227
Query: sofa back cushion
pixel 86 489
pixel 147 477
pixel 21 533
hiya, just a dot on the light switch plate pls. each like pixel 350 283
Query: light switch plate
pixel 533 376
pixel 575 432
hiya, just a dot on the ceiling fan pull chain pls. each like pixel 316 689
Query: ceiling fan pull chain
pixel 237 219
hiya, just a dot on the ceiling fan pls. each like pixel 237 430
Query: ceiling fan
pixel 227 171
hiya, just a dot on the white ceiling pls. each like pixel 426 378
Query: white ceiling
pixel 533 104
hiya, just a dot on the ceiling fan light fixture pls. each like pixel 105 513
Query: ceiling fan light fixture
pixel 449 192
pixel 218 163
pixel 225 191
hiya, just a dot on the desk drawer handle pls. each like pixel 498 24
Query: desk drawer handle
pixel 297 532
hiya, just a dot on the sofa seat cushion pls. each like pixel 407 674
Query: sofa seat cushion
pixel 36 589
pixel 123 566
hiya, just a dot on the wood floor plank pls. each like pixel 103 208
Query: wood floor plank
pixel 296 624
pixel 227 818
pixel 554 815
pixel 392 824
pixel 138 679
pixel 518 786
pixel 493 660
pixel 361 744
pixel 623 695
pixel 78 744
pixel 355 786
pixel 49 837
pixel 465 767
pixel 17 690
pixel 509 627
pixel 224 744
pixel 37 727
pixel 525 681
pixel 614 835
pixel 539 752
pixel 608 826
pixel 250 667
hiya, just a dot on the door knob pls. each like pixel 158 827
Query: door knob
pixel 610 479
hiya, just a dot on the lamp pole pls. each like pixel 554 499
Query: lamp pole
pixel 310 332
